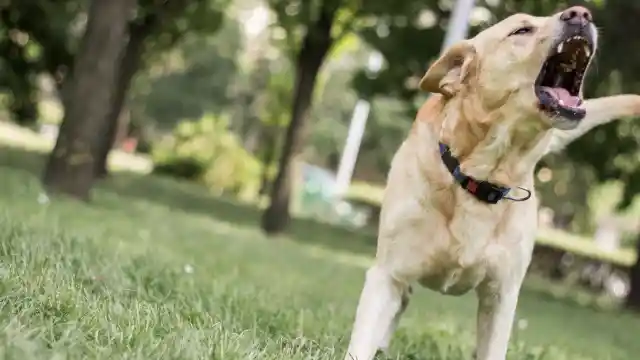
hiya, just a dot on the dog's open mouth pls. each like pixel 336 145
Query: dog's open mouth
pixel 560 80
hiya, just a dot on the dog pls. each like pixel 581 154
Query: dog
pixel 459 209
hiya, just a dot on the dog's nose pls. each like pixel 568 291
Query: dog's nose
pixel 576 15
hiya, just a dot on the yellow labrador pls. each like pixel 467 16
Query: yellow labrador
pixel 459 211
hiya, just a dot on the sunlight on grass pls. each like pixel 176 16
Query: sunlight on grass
pixel 14 135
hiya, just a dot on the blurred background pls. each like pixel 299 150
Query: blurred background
pixel 285 114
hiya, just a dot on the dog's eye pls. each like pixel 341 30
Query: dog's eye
pixel 522 31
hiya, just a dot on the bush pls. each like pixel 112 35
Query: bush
pixel 206 151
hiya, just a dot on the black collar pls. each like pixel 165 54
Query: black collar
pixel 481 190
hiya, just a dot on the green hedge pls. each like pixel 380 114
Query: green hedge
pixel 206 151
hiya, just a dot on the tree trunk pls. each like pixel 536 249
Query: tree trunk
pixel 129 65
pixel 89 97
pixel 633 298
pixel 269 143
pixel 131 62
pixel 314 49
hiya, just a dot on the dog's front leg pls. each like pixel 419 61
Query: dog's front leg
pixel 382 301
pixel 496 311
pixel 599 111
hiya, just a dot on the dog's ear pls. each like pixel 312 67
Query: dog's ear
pixel 447 73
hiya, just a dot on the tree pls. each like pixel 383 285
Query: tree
pixel 321 24
pixel 89 95
pixel 157 27
pixel 139 30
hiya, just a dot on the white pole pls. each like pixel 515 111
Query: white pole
pixel 352 146
pixel 458 23
pixel 458 28
pixel 356 130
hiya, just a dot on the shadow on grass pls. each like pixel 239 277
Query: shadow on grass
pixel 193 198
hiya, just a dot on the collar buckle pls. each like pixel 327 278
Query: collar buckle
pixel 526 197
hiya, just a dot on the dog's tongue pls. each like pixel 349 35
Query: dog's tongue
pixel 561 94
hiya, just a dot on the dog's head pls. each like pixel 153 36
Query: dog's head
pixel 536 63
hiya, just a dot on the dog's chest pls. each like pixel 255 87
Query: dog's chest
pixel 433 231
pixel 450 252
pixel 449 272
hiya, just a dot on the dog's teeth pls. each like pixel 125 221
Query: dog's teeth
pixel 560 47
pixel 587 51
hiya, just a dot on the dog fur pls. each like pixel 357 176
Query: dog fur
pixel 434 233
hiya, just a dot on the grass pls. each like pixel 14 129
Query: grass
pixel 156 269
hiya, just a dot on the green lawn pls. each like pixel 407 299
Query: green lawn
pixel 155 269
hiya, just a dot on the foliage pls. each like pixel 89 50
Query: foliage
pixel 189 80
pixel 206 151
pixel 42 37
pixel 160 276
pixel 295 17
pixel 30 46
pixel 408 34
pixel 175 19
pixel 564 186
